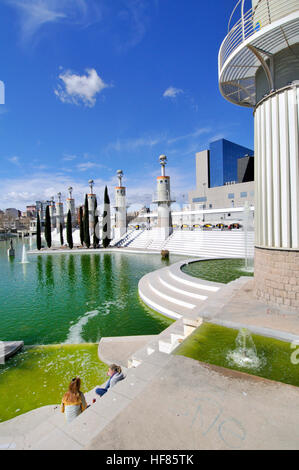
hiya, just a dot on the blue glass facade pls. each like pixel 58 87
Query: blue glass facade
pixel 199 199
pixel 223 161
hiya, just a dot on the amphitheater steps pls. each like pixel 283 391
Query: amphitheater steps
pixel 175 294
pixel 206 244
pixel 209 244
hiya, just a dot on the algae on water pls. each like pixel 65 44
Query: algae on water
pixel 40 375
pixel 213 344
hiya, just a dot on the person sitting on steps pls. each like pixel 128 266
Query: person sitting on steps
pixel 73 401
pixel 115 375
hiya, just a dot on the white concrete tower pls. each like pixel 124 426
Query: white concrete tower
pixel 259 68
pixel 164 201
pixel 59 213
pixel 120 207
pixel 70 205
pixel 52 213
pixel 91 206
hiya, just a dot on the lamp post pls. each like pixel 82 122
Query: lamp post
pixel 204 194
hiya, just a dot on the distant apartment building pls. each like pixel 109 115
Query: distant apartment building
pixel 31 211
pixel 12 212
pixel 41 207
pixel 224 176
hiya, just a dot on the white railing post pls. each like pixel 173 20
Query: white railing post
pixel 242 13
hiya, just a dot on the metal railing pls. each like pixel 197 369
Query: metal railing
pixel 263 14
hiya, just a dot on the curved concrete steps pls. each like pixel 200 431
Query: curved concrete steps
pixel 175 294
pixel 9 349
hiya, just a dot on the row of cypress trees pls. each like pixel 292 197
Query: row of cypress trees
pixel 83 226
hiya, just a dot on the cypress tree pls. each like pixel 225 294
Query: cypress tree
pixel 61 234
pixel 81 225
pixel 48 228
pixel 106 220
pixel 38 233
pixel 69 234
pixel 96 221
pixel 86 223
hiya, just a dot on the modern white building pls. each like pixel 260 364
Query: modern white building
pixel 224 176
pixel 259 69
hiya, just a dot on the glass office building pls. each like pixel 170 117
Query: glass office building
pixel 223 161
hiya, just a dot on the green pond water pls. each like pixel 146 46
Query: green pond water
pixel 218 270
pixel 212 343
pixel 67 299
pixel 75 298
pixel 40 376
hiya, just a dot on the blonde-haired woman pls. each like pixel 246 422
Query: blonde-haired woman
pixel 115 375
pixel 73 401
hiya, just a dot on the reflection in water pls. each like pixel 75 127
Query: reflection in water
pixel 71 270
pixel 39 270
pixel 92 294
pixel 86 274
pixel 24 269
pixel 123 275
pixel 49 271
pixel 11 261
pixel 96 276
pixel 96 268
pixel 62 265
pixel 108 275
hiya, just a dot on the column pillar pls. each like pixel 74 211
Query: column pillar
pixel 277 197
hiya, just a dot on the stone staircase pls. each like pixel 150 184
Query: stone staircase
pixel 206 244
pixel 126 239
pixel 210 244
pixel 167 290
pixel 175 294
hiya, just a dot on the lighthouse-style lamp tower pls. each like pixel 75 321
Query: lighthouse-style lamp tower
pixel 52 213
pixel 259 68
pixel 59 213
pixel 120 207
pixel 70 205
pixel 164 201
pixel 91 206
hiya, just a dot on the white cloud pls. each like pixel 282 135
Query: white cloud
pixel 69 158
pixel 34 14
pixel 172 92
pixel 15 160
pixel 133 18
pixel 87 165
pixel 128 145
pixel 40 167
pixel 79 89
pixel 19 192
pixel 191 135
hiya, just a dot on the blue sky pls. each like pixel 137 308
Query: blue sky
pixel 92 86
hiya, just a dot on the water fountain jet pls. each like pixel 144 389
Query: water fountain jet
pixel 24 256
pixel 245 354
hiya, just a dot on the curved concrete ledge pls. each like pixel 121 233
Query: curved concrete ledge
pixel 92 250
pixel 169 291
pixel 9 349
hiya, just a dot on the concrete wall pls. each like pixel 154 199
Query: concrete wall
pixel 219 197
